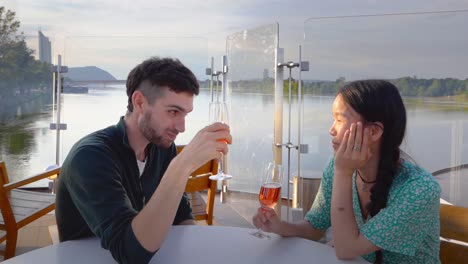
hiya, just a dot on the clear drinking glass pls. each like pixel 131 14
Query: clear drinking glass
pixel 219 113
pixel 270 191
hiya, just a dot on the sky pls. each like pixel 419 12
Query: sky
pixel 116 35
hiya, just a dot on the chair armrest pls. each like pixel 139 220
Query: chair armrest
pixel 198 183
pixel 200 175
pixel 13 185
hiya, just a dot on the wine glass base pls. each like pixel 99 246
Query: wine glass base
pixel 260 234
pixel 220 177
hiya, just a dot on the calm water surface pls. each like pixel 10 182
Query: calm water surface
pixel 437 136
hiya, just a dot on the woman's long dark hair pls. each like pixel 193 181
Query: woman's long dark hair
pixel 380 101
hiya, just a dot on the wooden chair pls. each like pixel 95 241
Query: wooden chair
pixel 21 207
pixel 199 181
pixel 453 225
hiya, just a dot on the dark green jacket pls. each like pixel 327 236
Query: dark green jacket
pixel 100 192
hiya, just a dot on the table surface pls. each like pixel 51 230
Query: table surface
pixel 197 244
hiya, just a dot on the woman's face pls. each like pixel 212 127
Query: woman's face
pixel 343 117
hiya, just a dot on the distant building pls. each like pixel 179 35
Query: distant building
pixel 41 46
pixel 45 48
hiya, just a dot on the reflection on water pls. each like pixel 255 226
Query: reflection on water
pixel 24 128
pixel 436 138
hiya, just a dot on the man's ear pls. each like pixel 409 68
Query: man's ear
pixel 376 131
pixel 138 100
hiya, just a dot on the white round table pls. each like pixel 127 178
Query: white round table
pixel 197 244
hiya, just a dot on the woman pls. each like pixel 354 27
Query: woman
pixel 379 206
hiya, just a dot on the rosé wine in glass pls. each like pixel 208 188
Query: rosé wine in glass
pixel 269 194
pixel 270 191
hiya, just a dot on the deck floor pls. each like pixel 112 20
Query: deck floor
pixel 34 236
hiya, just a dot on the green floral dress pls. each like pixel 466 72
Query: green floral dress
pixel 407 230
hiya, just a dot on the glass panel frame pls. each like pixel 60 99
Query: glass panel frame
pixel 425 55
pixel 251 90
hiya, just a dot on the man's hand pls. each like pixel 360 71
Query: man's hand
pixel 207 144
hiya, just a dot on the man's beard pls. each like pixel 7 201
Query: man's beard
pixel 151 134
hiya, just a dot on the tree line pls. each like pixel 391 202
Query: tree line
pixel 408 86
pixel 21 75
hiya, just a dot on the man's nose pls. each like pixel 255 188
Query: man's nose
pixel 180 125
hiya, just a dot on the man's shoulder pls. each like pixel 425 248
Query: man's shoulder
pixel 101 138
pixel 93 147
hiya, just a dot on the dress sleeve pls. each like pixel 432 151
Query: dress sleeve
pixel 319 214
pixel 95 186
pixel 403 224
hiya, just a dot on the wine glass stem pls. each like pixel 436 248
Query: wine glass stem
pixel 220 165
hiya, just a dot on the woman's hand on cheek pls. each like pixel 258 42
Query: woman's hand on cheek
pixel 354 151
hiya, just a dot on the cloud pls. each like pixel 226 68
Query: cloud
pixel 211 21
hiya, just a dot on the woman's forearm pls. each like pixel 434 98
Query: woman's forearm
pixel 301 229
pixel 345 229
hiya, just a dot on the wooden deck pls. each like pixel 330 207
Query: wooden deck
pixel 34 235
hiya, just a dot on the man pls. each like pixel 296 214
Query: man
pixel 125 184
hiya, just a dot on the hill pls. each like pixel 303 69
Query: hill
pixel 88 73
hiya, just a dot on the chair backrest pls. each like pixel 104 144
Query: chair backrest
pixel 200 181
pixel 5 207
pixel 453 226
pixel 20 207
pixel 3 174
pixel 209 167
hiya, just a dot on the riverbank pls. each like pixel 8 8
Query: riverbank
pixel 15 109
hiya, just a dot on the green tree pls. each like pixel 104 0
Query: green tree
pixel 8 26
pixel 20 73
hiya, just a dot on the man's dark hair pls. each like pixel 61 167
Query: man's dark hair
pixel 159 72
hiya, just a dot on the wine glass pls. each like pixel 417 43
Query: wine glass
pixel 270 191
pixel 219 113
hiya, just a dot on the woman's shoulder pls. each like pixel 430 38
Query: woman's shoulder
pixel 413 171
pixel 416 179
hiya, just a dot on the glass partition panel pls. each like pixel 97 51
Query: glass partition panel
pixel 251 58
pixel 25 104
pixel 94 88
pixel 425 55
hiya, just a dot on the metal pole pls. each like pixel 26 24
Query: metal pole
pixel 299 124
pixel 279 98
pixel 58 89
pixel 288 145
pixel 278 114
pixel 224 72
pixel 54 93
pixel 289 142
pixel 217 88
pixel 211 81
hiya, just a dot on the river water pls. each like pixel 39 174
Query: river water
pixel 437 134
